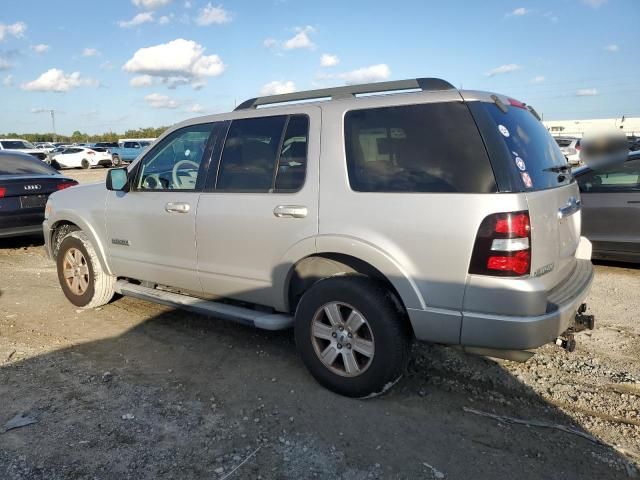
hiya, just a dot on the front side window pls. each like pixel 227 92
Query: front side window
pixel 175 163
pixel 17 145
pixel 619 178
pixel 416 148
pixel 264 154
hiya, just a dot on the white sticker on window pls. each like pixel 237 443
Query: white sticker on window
pixel 503 130
pixel 520 163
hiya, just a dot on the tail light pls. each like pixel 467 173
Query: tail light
pixel 503 246
pixel 63 185
pixel 3 191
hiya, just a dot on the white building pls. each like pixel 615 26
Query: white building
pixel 578 128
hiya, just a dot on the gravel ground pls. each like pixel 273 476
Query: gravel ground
pixel 135 390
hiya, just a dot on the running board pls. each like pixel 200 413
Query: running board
pixel 245 316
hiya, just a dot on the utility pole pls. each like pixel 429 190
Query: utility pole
pixel 53 123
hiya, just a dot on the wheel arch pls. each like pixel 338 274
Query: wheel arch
pixel 347 255
pixel 62 226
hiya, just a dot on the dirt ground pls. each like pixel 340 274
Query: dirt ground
pixel 136 390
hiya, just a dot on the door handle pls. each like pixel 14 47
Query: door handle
pixel 172 207
pixel 572 206
pixel 633 201
pixel 290 211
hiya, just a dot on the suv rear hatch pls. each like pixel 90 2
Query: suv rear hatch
pixel 526 158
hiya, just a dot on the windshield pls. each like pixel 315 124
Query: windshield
pixel 534 151
pixel 17 145
pixel 15 165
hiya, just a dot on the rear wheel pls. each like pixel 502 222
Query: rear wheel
pixel 83 281
pixel 85 164
pixel 351 336
pixel 116 160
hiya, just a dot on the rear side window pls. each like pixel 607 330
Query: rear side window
pixel 264 154
pixel 619 178
pixel 534 153
pixel 416 148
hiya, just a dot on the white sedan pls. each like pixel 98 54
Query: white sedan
pixel 84 157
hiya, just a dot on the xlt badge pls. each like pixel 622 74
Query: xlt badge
pixel 117 241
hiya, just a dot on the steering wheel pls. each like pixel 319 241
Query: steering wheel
pixel 177 181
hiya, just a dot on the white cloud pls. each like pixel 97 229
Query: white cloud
pixel 178 62
pixel 55 80
pixel 40 48
pixel 16 30
pixel 165 19
pixel 150 4
pixel 586 92
pixel 195 108
pixel 157 100
pixel 107 65
pixel 139 19
pixel 374 73
pixel 594 3
pixel 277 88
pixel 511 67
pixel 8 81
pixel 328 60
pixel 90 52
pixel 270 42
pixel 141 81
pixel 300 39
pixel 552 17
pixel 4 64
pixel 538 79
pixel 519 12
pixel 612 48
pixel 210 15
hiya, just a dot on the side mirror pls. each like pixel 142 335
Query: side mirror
pixel 117 180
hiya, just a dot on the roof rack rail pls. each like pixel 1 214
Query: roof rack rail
pixel 425 84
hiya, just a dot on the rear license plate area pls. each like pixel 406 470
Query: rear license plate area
pixel 33 201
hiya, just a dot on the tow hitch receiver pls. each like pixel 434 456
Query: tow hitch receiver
pixel 583 322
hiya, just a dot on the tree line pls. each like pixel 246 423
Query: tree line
pixel 80 137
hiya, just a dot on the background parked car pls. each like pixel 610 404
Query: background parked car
pixel 570 148
pixel 25 185
pixel 611 209
pixel 19 145
pixel 45 146
pixel 81 157
pixel 128 151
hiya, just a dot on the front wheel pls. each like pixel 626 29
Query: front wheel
pixel 83 281
pixel 351 336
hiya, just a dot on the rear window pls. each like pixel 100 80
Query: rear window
pixel 534 152
pixel 10 165
pixel 422 148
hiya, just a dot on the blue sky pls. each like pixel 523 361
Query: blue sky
pixel 120 64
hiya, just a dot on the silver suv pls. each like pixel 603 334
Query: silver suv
pixel 364 216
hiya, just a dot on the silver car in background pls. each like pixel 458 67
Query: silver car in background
pixel 364 216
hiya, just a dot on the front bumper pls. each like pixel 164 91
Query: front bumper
pixel 522 333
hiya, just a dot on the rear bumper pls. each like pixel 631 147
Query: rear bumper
pixel 526 332
pixel 21 231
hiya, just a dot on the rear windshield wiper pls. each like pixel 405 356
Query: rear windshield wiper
pixel 557 169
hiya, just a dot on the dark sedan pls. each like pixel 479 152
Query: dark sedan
pixel 611 209
pixel 25 185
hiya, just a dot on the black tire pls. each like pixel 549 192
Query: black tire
pixel 85 164
pixel 390 335
pixel 116 161
pixel 56 165
pixel 100 285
